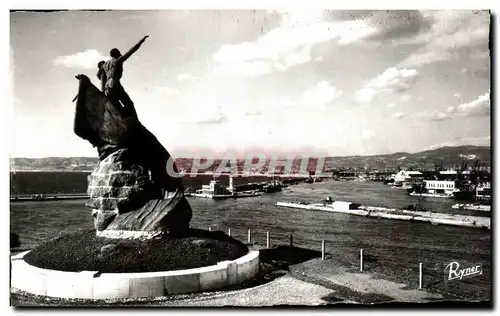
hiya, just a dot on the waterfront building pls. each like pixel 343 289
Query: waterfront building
pixel 408 177
pixel 439 187
pixel 214 188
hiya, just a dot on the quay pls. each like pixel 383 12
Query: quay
pixel 472 207
pixel 391 213
pixel 40 197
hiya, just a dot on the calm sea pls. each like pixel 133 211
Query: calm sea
pixel 393 245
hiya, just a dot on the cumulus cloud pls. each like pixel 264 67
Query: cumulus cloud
pixel 320 95
pixel 288 45
pixel 477 107
pixel 204 117
pixel 84 60
pixel 166 91
pixel 450 32
pixel 367 134
pixel 435 116
pixel 391 80
pixel 398 116
pixel 475 141
pixel 405 97
pixel 186 77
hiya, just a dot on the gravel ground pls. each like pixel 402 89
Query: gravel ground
pixel 288 276
pixel 83 251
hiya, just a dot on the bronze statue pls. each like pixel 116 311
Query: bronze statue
pixel 130 189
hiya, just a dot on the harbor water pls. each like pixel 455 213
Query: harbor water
pixel 393 244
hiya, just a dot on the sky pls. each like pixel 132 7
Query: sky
pixel 306 81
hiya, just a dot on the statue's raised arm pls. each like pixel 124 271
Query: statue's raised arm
pixel 132 50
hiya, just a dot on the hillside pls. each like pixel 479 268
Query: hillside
pixel 448 157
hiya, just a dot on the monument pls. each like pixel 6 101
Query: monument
pixel 131 192
pixel 142 245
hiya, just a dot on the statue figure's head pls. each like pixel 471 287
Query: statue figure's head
pixel 99 64
pixel 115 53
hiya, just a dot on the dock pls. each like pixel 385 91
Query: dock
pixel 222 196
pixel 391 213
pixel 49 197
pixel 472 207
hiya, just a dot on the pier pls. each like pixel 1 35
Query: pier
pixel 51 197
pixel 390 213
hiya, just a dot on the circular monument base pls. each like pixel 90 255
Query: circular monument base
pixel 97 268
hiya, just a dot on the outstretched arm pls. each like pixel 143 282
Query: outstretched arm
pixel 125 56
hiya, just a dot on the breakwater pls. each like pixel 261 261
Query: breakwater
pixel 393 213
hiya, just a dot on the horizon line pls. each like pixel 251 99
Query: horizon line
pixel 270 155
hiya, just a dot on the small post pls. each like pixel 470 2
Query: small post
pixel 229 231
pixel 209 228
pixel 268 240
pixel 322 250
pixel 420 276
pixel 361 260
pixel 291 240
pixel 249 236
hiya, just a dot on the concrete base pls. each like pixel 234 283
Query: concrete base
pixel 95 285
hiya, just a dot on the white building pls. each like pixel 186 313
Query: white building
pixel 439 187
pixel 214 188
pixel 408 176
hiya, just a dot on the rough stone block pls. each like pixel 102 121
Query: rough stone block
pixel 99 191
pixel 99 179
pixel 121 192
pixel 122 179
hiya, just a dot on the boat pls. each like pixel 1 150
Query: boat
pixel 215 190
pixel 273 186
pixel 483 193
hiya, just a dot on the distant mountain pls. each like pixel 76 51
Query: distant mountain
pixel 448 157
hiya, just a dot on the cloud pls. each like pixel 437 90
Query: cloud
pixel 166 91
pixel 397 24
pixel 204 117
pixel 186 77
pixel 478 107
pixel 391 105
pixel 457 95
pixel 474 141
pixel 131 17
pixel 398 116
pixel 288 45
pixel 391 80
pixel 367 134
pixel 84 60
pixel 435 116
pixel 450 32
pixel 320 95
pixel 405 97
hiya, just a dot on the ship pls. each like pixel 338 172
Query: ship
pixel 273 187
pixel 215 190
